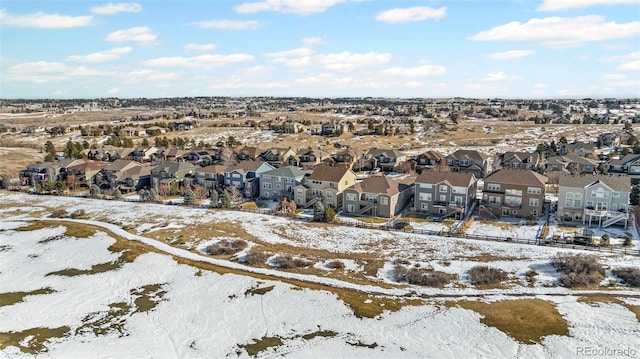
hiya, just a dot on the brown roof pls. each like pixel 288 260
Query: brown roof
pixel 617 183
pixel 512 176
pixel 456 179
pixel 471 154
pixel 212 169
pixel 328 173
pixel 88 165
pixel 380 184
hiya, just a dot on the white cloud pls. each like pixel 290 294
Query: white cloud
pixel 346 61
pixel 255 69
pixel 613 77
pixel 140 34
pixel 300 7
pixel 511 54
pixel 102 56
pixel 202 61
pixel 559 31
pixel 299 57
pixel 500 76
pixel 200 47
pixel 420 71
pixel 613 47
pixel 553 5
pixel 114 8
pixel 44 21
pixel 44 72
pixel 113 91
pixel 412 14
pixel 228 24
pixel 313 41
pixel 540 86
pixel 630 66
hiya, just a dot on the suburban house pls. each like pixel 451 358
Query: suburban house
pixel 332 127
pixel 586 199
pixel 290 126
pixel 144 154
pixel 578 148
pixel 133 132
pixel 307 159
pixel 82 174
pixel 211 177
pixel 280 182
pixel 279 156
pixel 244 153
pixel 38 173
pixel 513 193
pixel 629 165
pixel 350 158
pixel 384 159
pixel 125 175
pixel 325 183
pixel 164 175
pixel 428 160
pixel 470 161
pixel 519 160
pixel 445 193
pixel 378 196
pixel 245 176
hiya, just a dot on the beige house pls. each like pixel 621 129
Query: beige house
pixel 378 196
pixel 513 193
pixel 325 183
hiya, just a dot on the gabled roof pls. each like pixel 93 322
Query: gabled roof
pixel 173 167
pixel 288 171
pixel 521 177
pixel 246 166
pixel 626 160
pixel 88 165
pixel 136 172
pixel 520 156
pixel 212 169
pixel 617 183
pixel 456 179
pixel 380 184
pixel 121 164
pixel 471 154
pixel 432 155
pixel 390 153
pixel 249 151
pixel 580 160
pixel 329 173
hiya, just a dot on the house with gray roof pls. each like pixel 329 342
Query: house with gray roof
pixel 513 193
pixel 628 165
pixel 378 196
pixel 602 200
pixel 246 176
pixel 470 161
pixel 325 183
pixel 445 193
pixel 280 182
pixel 164 175
pixel 384 159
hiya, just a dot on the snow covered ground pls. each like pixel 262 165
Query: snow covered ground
pixel 205 314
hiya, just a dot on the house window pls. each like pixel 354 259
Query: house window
pixel 346 183
pixel 425 196
pixel 384 201
pixel 534 202
pixel 424 206
pixel 493 187
pixel 443 188
pixel 494 200
pixel 351 208
pixel 266 185
pixel 426 185
pixel 534 190
pixel 351 196
pixel 590 204
pixel 513 192
pixel 616 194
pixel 443 198
pixel 569 202
pixel 599 193
pixel 329 195
pixel 236 175
pixel 278 186
pixel 458 200
pixel 458 190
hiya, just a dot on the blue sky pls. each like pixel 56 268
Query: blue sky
pixel 320 48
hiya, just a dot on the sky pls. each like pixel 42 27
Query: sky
pixel 320 48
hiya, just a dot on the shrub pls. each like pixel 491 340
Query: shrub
pixel 255 257
pixel 578 270
pixel 627 241
pixel 226 247
pixel 605 240
pixel 79 213
pixel 285 261
pixel 422 276
pixel 335 264
pixel 531 277
pixel 485 275
pixel 58 213
pixel 630 275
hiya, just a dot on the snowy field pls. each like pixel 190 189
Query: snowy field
pixel 154 306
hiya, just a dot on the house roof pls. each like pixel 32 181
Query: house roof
pixel 617 183
pixel 471 154
pixel 390 153
pixel 380 184
pixel 520 156
pixel 580 160
pixel 212 169
pixel 88 165
pixel 120 164
pixel 513 176
pixel 246 166
pixel 625 160
pixel 249 151
pixel 173 167
pixel 457 179
pixel 329 173
pixel 288 171
pixel 432 155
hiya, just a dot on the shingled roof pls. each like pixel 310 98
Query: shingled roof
pixel 616 183
pixel 380 184
pixel 512 176
pixel 456 179
pixel 328 173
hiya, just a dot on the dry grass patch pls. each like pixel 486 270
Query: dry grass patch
pixel 79 230
pixel 486 276
pixel 365 305
pixel 261 345
pixel 602 298
pixel 17 297
pixel 486 257
pixel 526 320
pixel 226 247
pixel 32 341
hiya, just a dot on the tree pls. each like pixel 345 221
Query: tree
pixel 144 195
pixel 94 191
pixel 236 196
pixel 213 199
pixel 627 241
pixel 153 194
pixel 118 194
pixel 634 197
pixel 329 214
pixel 226 199
pixel 190 197
pixel 51 151
pixel 145 143
pixel 228 157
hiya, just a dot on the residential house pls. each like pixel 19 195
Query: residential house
pixel 125 175
pixel 163 176
pixel 608 139
pixel 82 174
pixel 445 193
pixel 248 153
pixel 331 128
pixel 278 157
pixel 290 126
pixel 350 158
pixel 325 183
pixel 133 132
pixel 519 160
pixel 513 193
pixel 183 126
pixel 628 165
pixel 384 159
pixel 470 161
pixel 38 173
pixel 594 199
pixel 428 160
pixel 156 130
pixel 310 158
pixel 378 196
pixel 211 177
pixel 280 182
pixel 576 148
pixel 246 176
pixel 144 154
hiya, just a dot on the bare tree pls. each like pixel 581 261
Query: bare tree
pixel 236 196
pixel 228 157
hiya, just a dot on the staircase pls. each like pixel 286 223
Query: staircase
pixel 366 208
pixel 611 220
pixel 483 210
pixel 310 202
